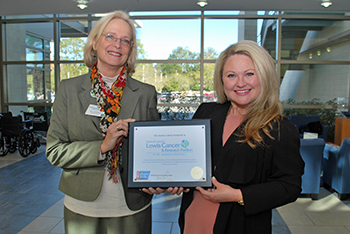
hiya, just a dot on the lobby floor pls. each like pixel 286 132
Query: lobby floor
pixel 30 202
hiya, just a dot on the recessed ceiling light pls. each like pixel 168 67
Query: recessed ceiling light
pixel 202 3
pixel 82 4
pixel 326 3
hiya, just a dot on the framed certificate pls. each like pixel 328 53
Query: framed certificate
pixel 169 154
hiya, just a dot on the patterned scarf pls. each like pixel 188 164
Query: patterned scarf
pixel 108 100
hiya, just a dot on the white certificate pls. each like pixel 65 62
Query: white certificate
pixel 169 154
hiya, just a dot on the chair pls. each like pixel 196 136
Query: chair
pixel 311 150
pixel 40 120
pixel 336 168
pixel 302 123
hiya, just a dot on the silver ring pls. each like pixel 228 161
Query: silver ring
pixel 118 128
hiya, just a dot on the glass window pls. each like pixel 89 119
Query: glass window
pixel 172 80
pixel 75 15
pixel 36 49
pixel 31 82
pixel 47 45
pixel 73 39
pixel 35 84
pixel 316 40
pixel 176 112
pixel 16 83
pixel 72 49
pixel 34 55
pixel 161 38
pixel 208 82
pixel 35 42
pixel 307 82
pixel 44 16
pixel 267 36
pixel 220 33
pixel 20 44
pixel 164 13
pixel 71 70
pixel 221 12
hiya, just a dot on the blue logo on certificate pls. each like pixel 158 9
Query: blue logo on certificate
pixel 142 175
pixel 185 143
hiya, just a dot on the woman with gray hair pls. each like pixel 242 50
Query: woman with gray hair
pixel 255 150
pixel 88 132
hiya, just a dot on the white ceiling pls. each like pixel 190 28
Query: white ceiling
pixel 29 7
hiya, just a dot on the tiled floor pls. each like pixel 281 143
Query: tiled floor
pixel 31 203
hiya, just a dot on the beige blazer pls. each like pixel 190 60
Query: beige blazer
pixel 74 138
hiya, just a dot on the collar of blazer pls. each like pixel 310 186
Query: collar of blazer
pixel 129 100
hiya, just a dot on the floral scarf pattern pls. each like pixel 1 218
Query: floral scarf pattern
pixel 108 100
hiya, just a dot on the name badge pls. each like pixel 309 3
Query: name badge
pixel 94 110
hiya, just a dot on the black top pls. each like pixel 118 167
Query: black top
pixel 268 175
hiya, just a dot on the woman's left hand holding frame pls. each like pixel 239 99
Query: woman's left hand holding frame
pixel 115 133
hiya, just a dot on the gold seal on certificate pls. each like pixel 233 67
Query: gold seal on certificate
pixel 197 173
pixel 169 154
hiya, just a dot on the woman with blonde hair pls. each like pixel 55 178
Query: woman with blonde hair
pixel 88 132
pixel 255 150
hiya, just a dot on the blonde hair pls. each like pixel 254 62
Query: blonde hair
pixel 266 107
pixel 90 56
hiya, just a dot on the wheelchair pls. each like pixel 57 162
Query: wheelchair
pixel 7 144
pixel 38 122
pixel 17 134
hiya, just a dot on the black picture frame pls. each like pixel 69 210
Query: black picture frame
pixel 142 132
